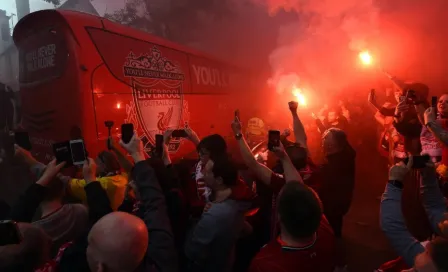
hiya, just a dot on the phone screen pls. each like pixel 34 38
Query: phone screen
pixel 22 139
pixel 62 153
pixel 159 145
pixel 179 133
pixel 127 131
pixel 9 233
pixel 434 102
pixel 78 152
pixel 273 139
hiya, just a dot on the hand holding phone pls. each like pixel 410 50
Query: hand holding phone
pixel 273 139
pixel 78 152
pixel 159 145
pixel 237 114
pixel 127 131
pixel 9 233
pixel 434 102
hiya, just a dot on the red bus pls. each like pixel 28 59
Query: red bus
pixel 78 71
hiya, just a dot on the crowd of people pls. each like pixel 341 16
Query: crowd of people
pixel 124 211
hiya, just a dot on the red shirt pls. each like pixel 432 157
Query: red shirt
pixel 318 256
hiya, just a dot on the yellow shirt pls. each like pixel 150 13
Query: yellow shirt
pixel 115 187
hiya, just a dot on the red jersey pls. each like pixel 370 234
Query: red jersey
pixel 317 256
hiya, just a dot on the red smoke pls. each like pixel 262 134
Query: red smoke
pixel 406 37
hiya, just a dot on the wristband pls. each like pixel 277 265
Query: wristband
pixel 238 136
pixel 396 183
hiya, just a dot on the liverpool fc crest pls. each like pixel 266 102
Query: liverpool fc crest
pixel 158 101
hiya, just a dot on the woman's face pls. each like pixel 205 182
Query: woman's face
pixel 442 105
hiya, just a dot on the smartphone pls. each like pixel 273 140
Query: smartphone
pixel 22 139
pixel 62 153
pixel 179 133
pixel 434 102
pixel 273 139
pixel 127 131
pixel 78 152
pixel 9 233
pixel 419 161
pixel 159 145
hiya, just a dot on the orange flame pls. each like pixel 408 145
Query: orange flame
pixel 365 57
pixel 298 93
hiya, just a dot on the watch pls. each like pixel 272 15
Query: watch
pixel 396 183
pixel 238 136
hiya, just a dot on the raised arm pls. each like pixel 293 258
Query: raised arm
pixel 432 197
pixel 161 250
pixel 24 209
pixel 260 170
pixel 392 220
pixel 290 173
pixel 124 162
pixel 299 130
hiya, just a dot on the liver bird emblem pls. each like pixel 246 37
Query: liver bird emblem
pixel 164 119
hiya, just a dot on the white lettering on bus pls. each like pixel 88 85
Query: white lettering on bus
pixel 211 77
pixel 41 58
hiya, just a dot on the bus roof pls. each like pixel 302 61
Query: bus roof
pixel 80 19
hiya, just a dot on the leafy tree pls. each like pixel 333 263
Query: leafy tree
pixel 177 20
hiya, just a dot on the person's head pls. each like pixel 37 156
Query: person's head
pixel 55 191
pixel 297 154
pixel 442 105
pixel 332 115
pixel 220 173
pixel 212 145
pixel 397 94
pixel 334 140
pixel 117 242
pixel 299 210
pixel 106 163
pixel 434 258
pixel 30 254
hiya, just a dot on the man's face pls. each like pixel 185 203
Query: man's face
pixel 332 116
pixel 397 95
pixel 442 105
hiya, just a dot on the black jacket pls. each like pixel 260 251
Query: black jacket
pixel 161 253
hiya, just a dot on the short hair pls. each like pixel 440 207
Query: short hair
pixel 55 190
pixel 299 209
pixel 224 168
pixel 340 137
pixel 110 162
pixel 215 144
pixel 438 250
